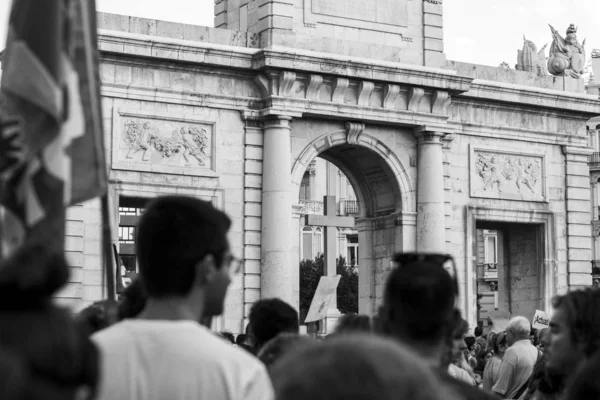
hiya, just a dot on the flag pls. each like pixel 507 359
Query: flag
pixel 51 146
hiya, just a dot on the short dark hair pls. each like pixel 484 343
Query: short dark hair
pixel 228 336
pixel 241 338
pixel 353 323
pixel 582 309
pixel 418 301
pixel 478 331
pixel 270 317
pixel 173 234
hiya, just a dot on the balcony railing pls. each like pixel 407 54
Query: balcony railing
pixel 312 207
pixel 345 207
pixel 595 159
pixel 349 207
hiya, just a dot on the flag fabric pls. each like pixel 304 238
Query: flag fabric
pixel 51 146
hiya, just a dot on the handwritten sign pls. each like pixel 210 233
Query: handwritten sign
pixel 326 292
pixel 541 319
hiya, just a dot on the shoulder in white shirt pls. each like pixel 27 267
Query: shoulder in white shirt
pixel 176 360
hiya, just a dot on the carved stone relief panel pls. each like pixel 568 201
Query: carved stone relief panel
pixel 160 143
pixel 507 175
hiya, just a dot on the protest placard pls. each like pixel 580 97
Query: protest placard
pixel 324 296
pixel 541 320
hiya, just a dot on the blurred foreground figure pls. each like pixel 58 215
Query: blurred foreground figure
pixel 281 345
pixel 418 311
pixel 165 353
pixel 586 384
pixel 355 367
pixel 353 323
pixel 574 334
pixel 43 353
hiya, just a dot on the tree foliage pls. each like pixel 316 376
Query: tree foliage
pixel 347 292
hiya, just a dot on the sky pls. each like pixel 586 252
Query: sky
pixel 486 32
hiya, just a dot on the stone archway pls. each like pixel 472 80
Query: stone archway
pixel 386 196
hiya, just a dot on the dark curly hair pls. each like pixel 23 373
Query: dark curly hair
pixel 354 323
pixel 269 318
pixel 582 309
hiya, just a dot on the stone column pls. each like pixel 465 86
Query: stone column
pixel 296 250
pixel 277 262
pixel 431 235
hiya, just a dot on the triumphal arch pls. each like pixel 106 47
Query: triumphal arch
pixel 440 153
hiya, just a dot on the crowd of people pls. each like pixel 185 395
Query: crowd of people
pixel 157 343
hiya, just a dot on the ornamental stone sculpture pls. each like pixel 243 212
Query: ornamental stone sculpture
pixel 567 56
pixel 530 60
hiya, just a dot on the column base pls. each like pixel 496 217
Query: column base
pixel 330 322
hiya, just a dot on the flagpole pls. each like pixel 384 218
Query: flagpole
pixel 88 13
pixel 107 249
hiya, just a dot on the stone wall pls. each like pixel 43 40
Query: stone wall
pixel 523 279
pixel 406 31
pixel 82 245
pixel 173 30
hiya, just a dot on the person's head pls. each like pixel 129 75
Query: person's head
pixel 54 353
pixel 282 344
pixel 418 301
pixel 358 367
pixel 543 338
pixel 574 330
pixel 240 339
pixel 183 252
pixel 228 336
pixel 93 318
pixel 478 331
pixel 586 384
pixel 500 344
pixel 133 300
pixel 269 318
pixel 353 323
pixel 533 336
pixel 518 329
pixel 455 344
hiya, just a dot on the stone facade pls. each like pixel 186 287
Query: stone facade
pixel 420 145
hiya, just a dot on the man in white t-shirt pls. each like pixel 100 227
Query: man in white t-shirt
pixel 185 266
pixel 518 361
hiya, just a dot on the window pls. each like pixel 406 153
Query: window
pixel 318 242
pixel 130 210
pixel 307 243
pixel 305 187
pixel 491 251
pixel 352 257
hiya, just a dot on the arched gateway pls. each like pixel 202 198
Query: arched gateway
pixel 385 192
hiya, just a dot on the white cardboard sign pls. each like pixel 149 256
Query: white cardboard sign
pixel 326 292
pixel 541 319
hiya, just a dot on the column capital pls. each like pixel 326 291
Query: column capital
pixel 432 134
pixel 276 121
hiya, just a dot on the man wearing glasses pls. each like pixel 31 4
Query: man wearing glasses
pixel 185 266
